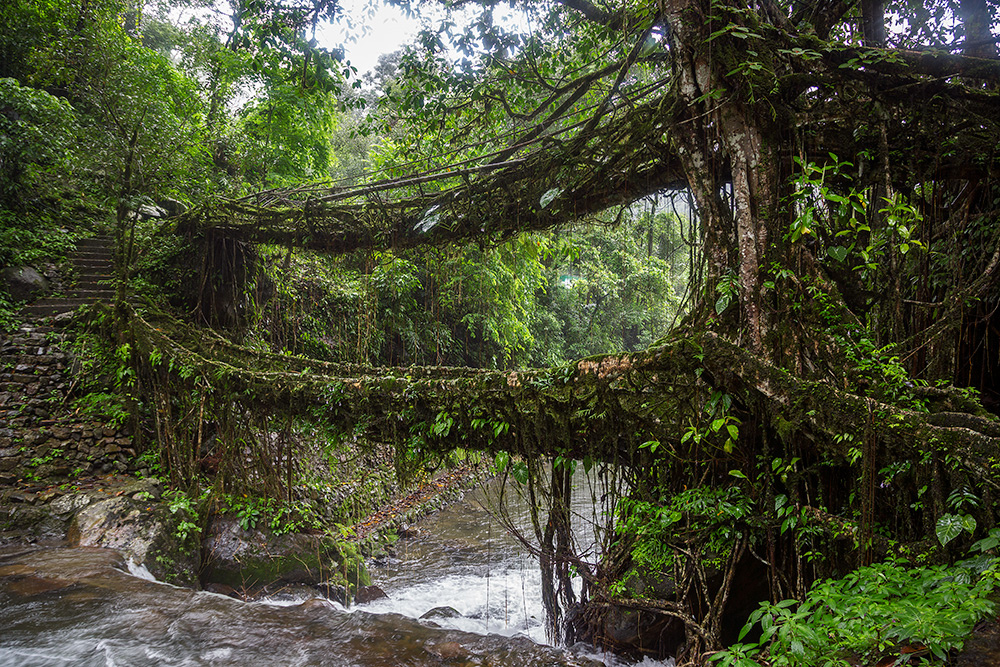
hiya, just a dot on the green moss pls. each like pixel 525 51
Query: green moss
pixel 325 559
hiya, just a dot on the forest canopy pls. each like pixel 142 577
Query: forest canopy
pixel 791 208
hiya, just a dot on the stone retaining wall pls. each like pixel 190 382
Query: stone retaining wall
pixel 41 438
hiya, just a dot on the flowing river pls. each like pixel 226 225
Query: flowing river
pixel 61 606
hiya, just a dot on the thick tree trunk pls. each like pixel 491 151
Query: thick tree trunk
pixel 721 131
pixel 873 23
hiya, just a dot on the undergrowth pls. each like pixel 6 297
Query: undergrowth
pixel 886 614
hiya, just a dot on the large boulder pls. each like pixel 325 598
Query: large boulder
pixel 24 283
pixel 146 533
pixel 254 560
pixel 151 211
pixel 172 206
pixel 366 594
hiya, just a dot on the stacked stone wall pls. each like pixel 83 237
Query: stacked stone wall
pixel 42 438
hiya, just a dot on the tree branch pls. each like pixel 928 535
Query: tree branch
pixel 590 11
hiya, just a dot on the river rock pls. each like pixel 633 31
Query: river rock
pixel 146 534
pixel 449 652
pixel 222 589
pixel 64 506
pixel 315 604
pixel 254 559
pixel 23 282
pixel 28 523
pixel 369 594
pixel 143 488
pixel 333 591
pixel 290 593
pixel 442 612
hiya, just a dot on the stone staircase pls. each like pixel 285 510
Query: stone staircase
pixel 93 264
pixel 42 436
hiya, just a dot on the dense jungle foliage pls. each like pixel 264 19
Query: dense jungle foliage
pixel 111 107
pixel 787 211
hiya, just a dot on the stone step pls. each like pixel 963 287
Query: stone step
pixel 104 287
pixel 40 309
pixel 75 300
pixel 33 337
pixel 95 241
pixel 95 272
pixel 94 251
pixel 93 297
pixel 36 310
pixel 93 264
pixel 93 281
pixel 94 275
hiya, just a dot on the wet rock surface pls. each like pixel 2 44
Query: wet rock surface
pixel 64 606
pixel 252 561
pixel 442 612
pixel 117 512
pixel 367 594
pixel 144 533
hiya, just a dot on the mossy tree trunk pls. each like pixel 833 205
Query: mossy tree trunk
pixel 837 461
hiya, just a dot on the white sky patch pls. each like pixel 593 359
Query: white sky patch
pixel 366 30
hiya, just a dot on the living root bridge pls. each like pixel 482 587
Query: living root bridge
pixel 554 180
pixel 820 411
pixel 604 408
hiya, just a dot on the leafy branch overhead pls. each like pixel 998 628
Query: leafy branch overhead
pixel 581 161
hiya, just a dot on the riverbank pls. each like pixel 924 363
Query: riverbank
pixel 68 477
pixel 66 606
pixel 132 516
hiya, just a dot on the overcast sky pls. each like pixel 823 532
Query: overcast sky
pixel 364 38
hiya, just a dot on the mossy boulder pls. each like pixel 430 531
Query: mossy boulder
pixel 252 560
pixel 23 283
pixel 146 533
